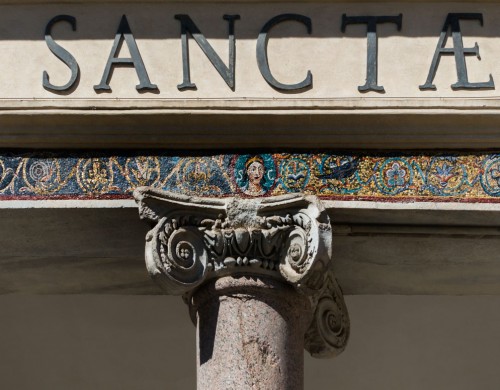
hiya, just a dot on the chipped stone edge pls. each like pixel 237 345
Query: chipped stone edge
pixel 328 204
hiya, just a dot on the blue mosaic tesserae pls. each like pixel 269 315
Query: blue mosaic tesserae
pixel 413 176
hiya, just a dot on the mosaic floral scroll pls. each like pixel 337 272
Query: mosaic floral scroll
pixel 467 177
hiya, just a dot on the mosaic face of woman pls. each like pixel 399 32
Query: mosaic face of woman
pixel 255 172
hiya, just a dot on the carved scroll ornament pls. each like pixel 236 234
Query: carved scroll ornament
pixel 193 240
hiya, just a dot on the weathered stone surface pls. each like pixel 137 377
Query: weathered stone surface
pixel 250 334
pixel 257 274
pixel 287 238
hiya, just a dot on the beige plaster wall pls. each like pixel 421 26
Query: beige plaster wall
pixel 337 60
pixel 147 342
pixel 333 114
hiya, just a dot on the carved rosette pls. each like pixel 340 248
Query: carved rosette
pixel 287 237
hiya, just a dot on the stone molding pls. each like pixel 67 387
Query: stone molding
pixel 204 129
pixel 9 2
pixel 288 238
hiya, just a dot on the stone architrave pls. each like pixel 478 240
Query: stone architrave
pixel 257 276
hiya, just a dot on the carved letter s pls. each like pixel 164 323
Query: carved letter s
pixel 62 54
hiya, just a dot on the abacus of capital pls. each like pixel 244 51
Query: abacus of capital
pixel 257 277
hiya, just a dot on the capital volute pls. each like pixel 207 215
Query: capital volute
pixel 287 238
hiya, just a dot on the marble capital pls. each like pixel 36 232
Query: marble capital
pixel 287 238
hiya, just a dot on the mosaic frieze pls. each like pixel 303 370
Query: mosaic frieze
pixel 367 176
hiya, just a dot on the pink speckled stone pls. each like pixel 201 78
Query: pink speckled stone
pixel 250 334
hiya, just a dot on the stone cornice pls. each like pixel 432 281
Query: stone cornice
pixel 235 129
pixel 20 2
pixel 389 105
